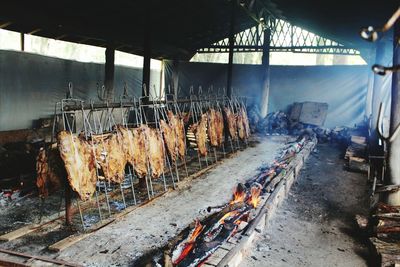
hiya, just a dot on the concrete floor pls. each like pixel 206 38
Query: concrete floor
pixel 315 225
pixel 151 226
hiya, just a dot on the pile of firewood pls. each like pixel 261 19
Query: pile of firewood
pixel 386 229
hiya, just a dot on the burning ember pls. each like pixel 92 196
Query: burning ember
pixel 183 249
pixel 255 195
pixel 239 195
pixel 206 238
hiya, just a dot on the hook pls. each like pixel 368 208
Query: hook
pixel 382 70
pixel 370 34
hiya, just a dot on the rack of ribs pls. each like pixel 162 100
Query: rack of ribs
pixel 220 127
pixel 246 123
pixel 212 127
pixel 110 156
pixel 197 135
pixel 79 163
pixel 231 121
pixel 240 125
pixel 50 171
pixel 155 151
pixel 139 155
pixel 169 134
pixel 180 135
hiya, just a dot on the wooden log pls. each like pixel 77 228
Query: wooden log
pixel 41 258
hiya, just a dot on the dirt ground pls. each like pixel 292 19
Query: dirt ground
pixel 315 225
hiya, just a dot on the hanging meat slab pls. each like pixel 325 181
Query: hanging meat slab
pixel 246 123
pixel 232 124
pixel 220 127
pixel 169 134
pixel 50 171
pixel 79 163
pixel 212 127
pixel 155 151
pixel 180 135
pixel 197 135
pixel 127 141
pixel 140 159
pixel 110 157
pixel 240 125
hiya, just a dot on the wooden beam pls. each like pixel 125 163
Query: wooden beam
pixel 5 24
pixel 40 258
pixel 62 36
pixel 34 31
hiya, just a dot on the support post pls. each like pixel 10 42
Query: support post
pixel 266 72
pixel 109 72
pixel 393 198
pixel 22 41
pixel 175 77
pixel 231 46
pixel 146 61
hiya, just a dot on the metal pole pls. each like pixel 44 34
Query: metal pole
pixel 393 198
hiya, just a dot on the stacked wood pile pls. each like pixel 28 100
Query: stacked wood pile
pixel 386 240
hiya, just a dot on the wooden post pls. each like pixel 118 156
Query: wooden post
pixel 394 147
pixel 22 41
pixel 109 72
pixel 266 72
pixel 146 64
pixel 231 46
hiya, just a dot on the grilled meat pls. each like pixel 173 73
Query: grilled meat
pixel 50 171
pixel 240 125
pixel 246 123
pixel 212 127
pixel 197 135
pixel 232 124
pixel 180 135
pixel 169 134
pixel 79 163
pixel 140 160
pixel 110 156
pixel 220 127
pixel 155 151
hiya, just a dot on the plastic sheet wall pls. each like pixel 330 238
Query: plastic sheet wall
pixel 344 88
pixel 30 85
